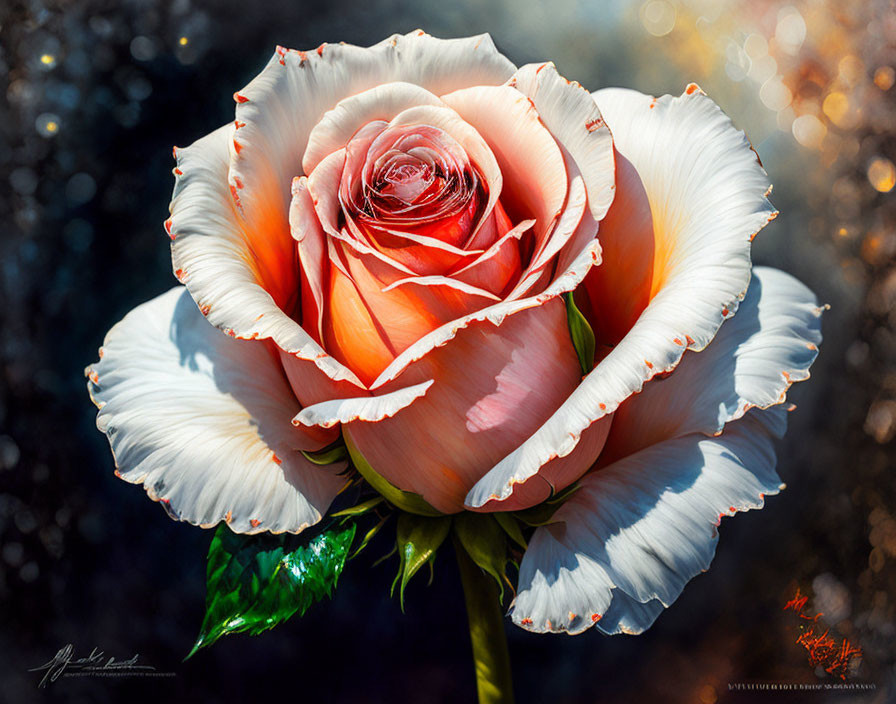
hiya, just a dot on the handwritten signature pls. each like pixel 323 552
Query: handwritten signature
pixel 95 663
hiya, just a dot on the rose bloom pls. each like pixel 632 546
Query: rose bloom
pixel 378 246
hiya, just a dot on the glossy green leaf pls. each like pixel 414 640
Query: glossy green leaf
pixel 405 500
pixel 329 455
pixel 581 333
pixel 511 526
pixel 482 537
pixel 253 583
pixel 417 539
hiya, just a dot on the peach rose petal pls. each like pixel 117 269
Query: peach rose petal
pixel 499 265
pixel 311 245
pixel 707 204
pixel 572 231
pixel 482 403
pixel 535 179
pixel 339 124
pixel 208 440
pixel 374 313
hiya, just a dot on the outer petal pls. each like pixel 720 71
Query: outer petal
pixel 707 193
pixel 638 530
pixel 756 356
pixel 203 422
pixel 214 254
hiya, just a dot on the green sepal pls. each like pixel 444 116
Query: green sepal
pixel 368 536
pixel 484 540
pixel 581 333
pixel 512 527
pixel 417 539
pixel 359 509
pixel 405 500
pixel 331 454
pixel 253 583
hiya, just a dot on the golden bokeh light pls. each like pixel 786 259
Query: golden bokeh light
pixel 658 17
pixel 882 174
pixel 884 77
pixel 809 131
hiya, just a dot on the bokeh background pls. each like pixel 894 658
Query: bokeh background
pixel 94 95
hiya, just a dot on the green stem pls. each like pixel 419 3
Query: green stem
pixel 486 618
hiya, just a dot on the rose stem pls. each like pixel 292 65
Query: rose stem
pixel 491 659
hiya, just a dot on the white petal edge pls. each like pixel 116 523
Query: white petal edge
pixel 370 409
pixel 576 122
pixel 203 422
pixel 752 362
pixel 703 179
pixel 209 255
pixel 640 529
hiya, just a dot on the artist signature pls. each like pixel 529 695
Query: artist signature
pixel 97 663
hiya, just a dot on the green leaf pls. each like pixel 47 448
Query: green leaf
pixel 253 584
pixel 360 508
pixel 483 538
pixel 512 527
pixel 405 500
pixel 417 539
pixel 581 333
pixel 329 455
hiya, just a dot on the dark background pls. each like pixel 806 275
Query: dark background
pixel 94 96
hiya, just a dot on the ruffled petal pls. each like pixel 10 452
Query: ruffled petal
pixel 203 422
pixel 572 117
pixel 707 195
pixel 214 254
pixel 638 530
pixel 753 360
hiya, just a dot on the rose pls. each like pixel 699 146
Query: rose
pixel 386 236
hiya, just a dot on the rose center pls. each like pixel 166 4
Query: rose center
pixel 410 179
